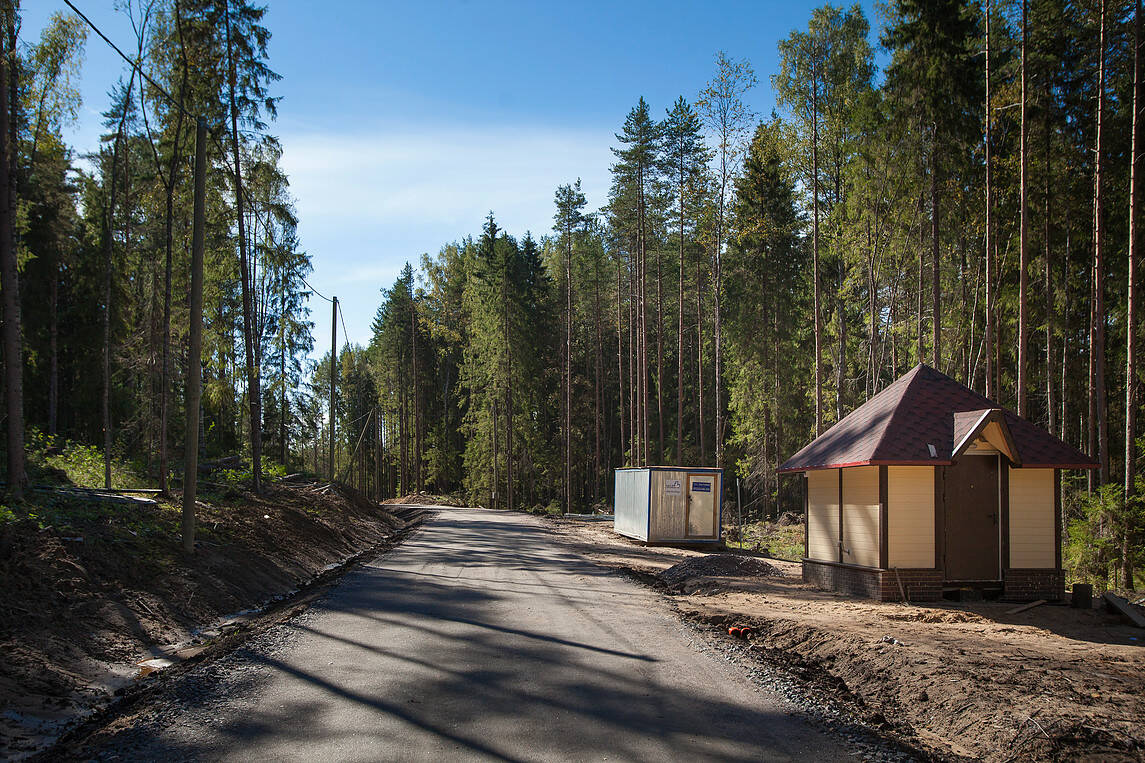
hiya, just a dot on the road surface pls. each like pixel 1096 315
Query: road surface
pixel 478 638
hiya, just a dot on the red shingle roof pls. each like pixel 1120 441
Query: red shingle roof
pixel 926 408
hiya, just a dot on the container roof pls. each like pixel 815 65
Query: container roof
pixel 926 418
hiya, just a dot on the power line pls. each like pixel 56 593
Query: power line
pixel 313 290
pixel 134 64
pixel 342 316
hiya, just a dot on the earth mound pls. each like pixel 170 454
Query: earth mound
pixel 716 565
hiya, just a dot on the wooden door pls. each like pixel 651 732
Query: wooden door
pixel 972 520
pixel 702 505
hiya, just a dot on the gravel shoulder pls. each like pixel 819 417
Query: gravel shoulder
pixel 952 680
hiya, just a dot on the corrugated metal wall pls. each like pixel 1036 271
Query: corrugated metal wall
pixel 630 510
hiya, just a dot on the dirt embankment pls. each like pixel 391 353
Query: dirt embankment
pixel 955 680
pixel 93 589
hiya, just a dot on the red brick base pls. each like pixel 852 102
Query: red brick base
pixel 1031 585
pixel 883 585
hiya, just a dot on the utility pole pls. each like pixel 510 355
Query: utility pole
pixel 195 340
pixel 333 378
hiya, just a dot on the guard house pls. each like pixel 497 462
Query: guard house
pixel 929 485
pixel 669 504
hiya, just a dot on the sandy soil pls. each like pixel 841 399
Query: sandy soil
pixel 92 607
pixel 955 680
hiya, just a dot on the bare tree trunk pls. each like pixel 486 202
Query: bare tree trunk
pixel 419 485
pixel 659 361
pixel 254 393
pixel 107 281
pixel 700 367
pixel 1023 237
pixel 493 502
pixel 816 299
pixel 1131 302
pixel 598 391
pixel 1047 282
pixel 990 288
pixel 53 349
pixel 680 341
pixel 620 359
pixel 936 289
pixel 921 242
pixel 1097 328
pixel 13 341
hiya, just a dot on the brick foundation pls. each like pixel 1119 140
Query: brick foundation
pixel 1031 585
pixel 871 583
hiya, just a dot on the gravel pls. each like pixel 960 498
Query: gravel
pixel 717 565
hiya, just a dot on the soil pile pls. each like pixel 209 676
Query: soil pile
pixel 91 588
pixel 715 566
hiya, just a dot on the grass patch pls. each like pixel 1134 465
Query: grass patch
pixel 50 461
pixel 779 541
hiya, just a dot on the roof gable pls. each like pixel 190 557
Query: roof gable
pixel 927 418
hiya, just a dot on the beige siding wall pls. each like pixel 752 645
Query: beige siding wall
pixel 1032 535
pixel 861 515
pixel 667 510
pixel 910 516
pixel 823 515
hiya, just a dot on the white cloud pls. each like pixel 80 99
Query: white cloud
pixel 449 177
pixel 368 202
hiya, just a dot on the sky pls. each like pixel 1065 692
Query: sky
pixel 404 124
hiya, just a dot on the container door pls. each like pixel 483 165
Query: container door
pixel 702 505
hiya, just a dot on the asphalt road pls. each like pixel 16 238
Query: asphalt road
pixel 479 638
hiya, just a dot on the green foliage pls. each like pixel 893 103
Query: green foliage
pixel 72 463
pixel 1096 535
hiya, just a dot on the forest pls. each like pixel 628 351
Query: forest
pixel 953 183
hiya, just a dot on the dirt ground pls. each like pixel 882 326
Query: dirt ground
pixel 961 680
pixel 97 596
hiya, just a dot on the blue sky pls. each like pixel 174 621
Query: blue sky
pixel 404 124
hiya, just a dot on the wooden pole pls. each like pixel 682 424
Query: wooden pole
pixel 333 379
pixel 195 341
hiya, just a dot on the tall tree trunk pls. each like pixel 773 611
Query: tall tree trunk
pixel 1023 236
pixel 107 281
pixel 1047 283
pixel 493 502
pixel 418 484
pixel 1097 328
pixel 816 303
pixel 13 341
pixel 659 361
pixel 568 370
pixel 254 392
pixel 936 288
pixel 700 367
pixel 620 360
pixel 53 348
pixel 1131 302
pixel 168 243
pixel 991 392
pixel 921 265
pixel 680 341
pixel 598 391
